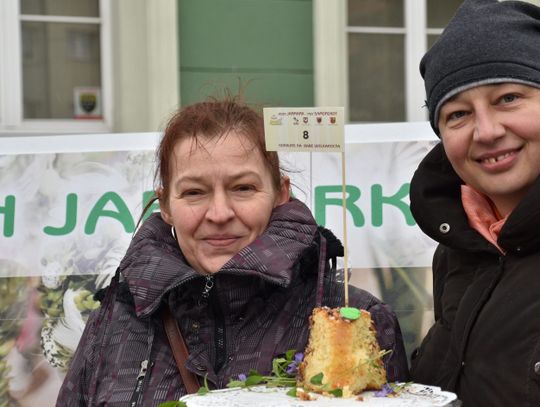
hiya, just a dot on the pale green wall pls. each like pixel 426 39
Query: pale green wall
pixel 266 42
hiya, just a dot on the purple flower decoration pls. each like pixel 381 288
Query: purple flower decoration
pixel 242 377
pixel 292 369
pixel 385 391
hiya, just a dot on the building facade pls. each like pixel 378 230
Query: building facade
pixel 84 66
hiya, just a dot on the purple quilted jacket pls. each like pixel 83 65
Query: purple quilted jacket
pixel 254 309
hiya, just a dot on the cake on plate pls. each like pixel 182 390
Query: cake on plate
pixel 342 353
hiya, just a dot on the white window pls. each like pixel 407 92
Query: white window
pixel 385 40
pixel 54 66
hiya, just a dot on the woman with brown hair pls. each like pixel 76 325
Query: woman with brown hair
pixel 236 262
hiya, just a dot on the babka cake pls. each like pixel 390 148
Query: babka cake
pixel 342 353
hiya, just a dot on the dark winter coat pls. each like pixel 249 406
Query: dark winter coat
pixel 485 343
pixel 257 308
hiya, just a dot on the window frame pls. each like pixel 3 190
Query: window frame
pixel 12 121
pixel 331 29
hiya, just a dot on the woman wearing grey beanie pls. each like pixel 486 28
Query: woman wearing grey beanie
pixel 477 193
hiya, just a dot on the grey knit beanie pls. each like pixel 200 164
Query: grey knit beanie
pixel 486 42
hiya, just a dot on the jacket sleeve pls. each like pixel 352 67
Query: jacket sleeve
pixel 75 389
pixel 450 280
pixel 390 338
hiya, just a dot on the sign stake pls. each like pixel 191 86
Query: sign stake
pixel 311 129
pixel 345 244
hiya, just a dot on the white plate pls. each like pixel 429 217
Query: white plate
pixel 417 395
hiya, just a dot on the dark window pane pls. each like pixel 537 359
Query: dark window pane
pixel 59 60
pixel 375 13
pixel 79 8
pixel 440 12
pixel 431 40
pixel 376 77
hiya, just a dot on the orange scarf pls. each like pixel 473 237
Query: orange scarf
pixel 482 214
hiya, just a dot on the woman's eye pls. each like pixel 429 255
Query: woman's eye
pixel 509 98
pixel 191 193
pixel 245 188
pixel 456 115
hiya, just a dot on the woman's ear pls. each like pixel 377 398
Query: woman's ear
pixel 284 194
pixel 164 206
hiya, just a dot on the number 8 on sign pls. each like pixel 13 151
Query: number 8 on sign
pixel 304 129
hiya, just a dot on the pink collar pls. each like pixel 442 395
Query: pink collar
pixel 482 214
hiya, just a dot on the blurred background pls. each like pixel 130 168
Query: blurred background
pixel 84 66
pixel 121 66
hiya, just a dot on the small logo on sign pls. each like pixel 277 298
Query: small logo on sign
pixel 332 120
pixel 275 121
pixel 305 119
pixel 319 119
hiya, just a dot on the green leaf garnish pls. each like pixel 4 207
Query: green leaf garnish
pixel 279 365
pixel 289 355
pixel 236 383
pixel 204 389
pixel 400 387
pixel 336 392
pixel 173 404
pixel 280 376
pixel 253 379
pixel 292 392
pixel 317 379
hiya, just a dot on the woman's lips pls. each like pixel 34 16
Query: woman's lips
pixel 221 240
pixel 499 161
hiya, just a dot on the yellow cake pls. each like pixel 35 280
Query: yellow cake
pixel 345 351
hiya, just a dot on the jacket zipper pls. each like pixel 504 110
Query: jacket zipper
pixel 145 365
pixel 207 287
pixel 219 334
pixel 219 327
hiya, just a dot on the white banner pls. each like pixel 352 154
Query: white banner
pixel 70 204
pixel 68 198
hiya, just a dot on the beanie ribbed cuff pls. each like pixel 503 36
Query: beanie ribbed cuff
pixel 484 74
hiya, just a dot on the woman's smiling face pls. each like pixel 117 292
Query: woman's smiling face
pixel 491 135
pixel 221 198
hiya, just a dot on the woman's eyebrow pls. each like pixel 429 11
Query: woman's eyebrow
pixel 232 177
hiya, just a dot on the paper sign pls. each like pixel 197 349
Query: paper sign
pixel 304 129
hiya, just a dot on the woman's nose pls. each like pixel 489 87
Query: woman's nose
pixel 220 209
pixel 488 127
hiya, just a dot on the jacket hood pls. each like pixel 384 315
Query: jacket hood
pixel 435 196
pixel 154 264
